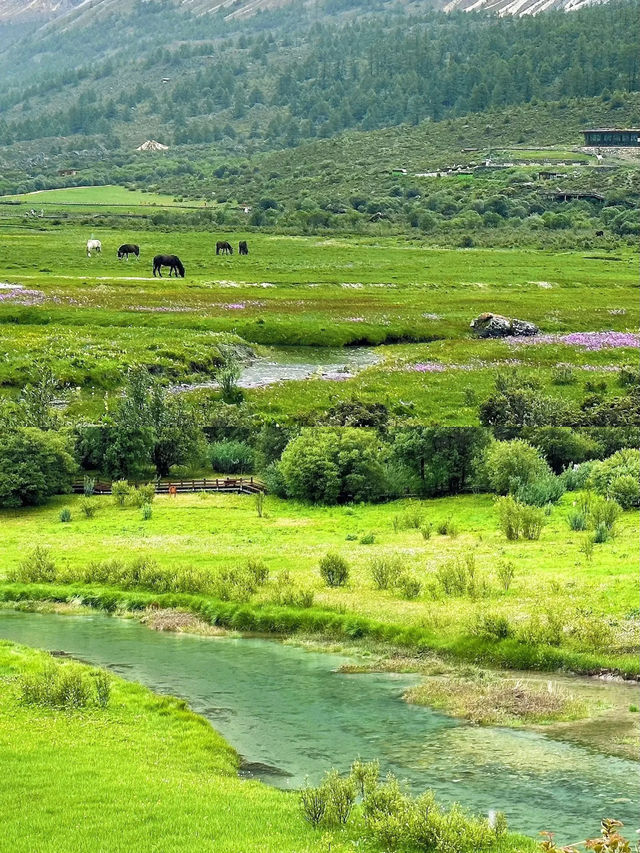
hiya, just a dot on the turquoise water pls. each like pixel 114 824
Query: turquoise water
pixel 289 710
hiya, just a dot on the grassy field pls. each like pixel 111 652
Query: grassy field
pixel 77 313
pixel 595 600
pixel 90 196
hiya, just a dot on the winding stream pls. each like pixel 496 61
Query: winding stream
pixel 282 364
pixel 287 709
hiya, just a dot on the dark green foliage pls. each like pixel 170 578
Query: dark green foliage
pixel 333 466
pixel 513 465
pixel 440 460
pixel 544 490
pixel 563 446
pixel 34 464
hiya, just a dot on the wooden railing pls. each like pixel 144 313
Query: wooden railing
pixel 237 485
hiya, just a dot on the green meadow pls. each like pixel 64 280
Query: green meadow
pixel 89 318
pixel 594 597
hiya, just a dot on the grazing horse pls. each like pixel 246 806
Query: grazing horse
pixel 243 249
pixel 128 249
pixel 172 261
pixel 93 245
pixel 223 248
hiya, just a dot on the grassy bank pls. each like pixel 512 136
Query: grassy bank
pixel 144 774
pixel 561 608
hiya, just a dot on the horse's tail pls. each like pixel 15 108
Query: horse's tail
pixel 180 266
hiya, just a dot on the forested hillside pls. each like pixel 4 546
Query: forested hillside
pixel 285 76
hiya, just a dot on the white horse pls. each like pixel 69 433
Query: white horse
pixel 94 245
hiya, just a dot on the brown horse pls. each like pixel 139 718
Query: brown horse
pixel 223 248
pixel 243 249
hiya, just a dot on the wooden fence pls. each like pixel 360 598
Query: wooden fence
pixel 236 485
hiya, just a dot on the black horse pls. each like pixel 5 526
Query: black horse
pixel 243 249
pixel 171 261
pixel 128 249
pixel 224 248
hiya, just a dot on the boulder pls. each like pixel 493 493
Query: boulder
pixel 523 327
pixel 496 326
pixel 491 326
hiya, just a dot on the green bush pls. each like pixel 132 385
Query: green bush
pixel 231 457
pixel 147 511
pixel 88 507
pixel 67 686
pixel 34 464
pixel 511 465
pixel 577 476
pixel 517 519
pixel 37 566
pixel 138 496
pixel 623 464
pixel 120 491
pixel 65 514
pixel 334 570
pixel 385 571
pixel 409 586
pixel 493 626
pixel 506 572
pixel 367 539
pixel 545 490
pixel 331 466
pixel 577 519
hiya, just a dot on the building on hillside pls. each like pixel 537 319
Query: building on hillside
pixel 612 136
pixel 152 145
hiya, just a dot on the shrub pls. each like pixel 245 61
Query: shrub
pixel 426 530
pixel 385 571
pixel 88 486
pixel 65 514
pixel 510 465
pixel 147 511
pixel 120 491
pixel 259 503
pixel 625 490
pixel 623 464
pixel 458 576
pixel 577 520
pixel 506 572
pixel 367 539
pixel 576 477
pixel 545 490
pixel 88 507
pixel 601 533
pixel 448 527
pixel 141 495
pixel 509 517
pixel 602 512
pixel 37 567
pixel 531 521
pixel 517 519
pixel 492 626
pixel 334 570
pixel 34 464
pixel 313 802
pixel 231 457
pixel 325 465
pixel 340 794
pixel 563 374
pixel 68 686
pixel 409 586
pixel 258 570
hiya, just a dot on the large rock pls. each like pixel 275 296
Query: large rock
pixel 496 326
pixel 523 327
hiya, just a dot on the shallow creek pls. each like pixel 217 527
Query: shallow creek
pixel 281 364
pixel 290 715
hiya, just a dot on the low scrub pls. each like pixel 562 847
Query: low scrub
pixel 67 686
pixel 393 818
pixel 334 570
pixel 518 520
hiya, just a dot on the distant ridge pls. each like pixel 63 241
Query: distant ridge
pixel 518 7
